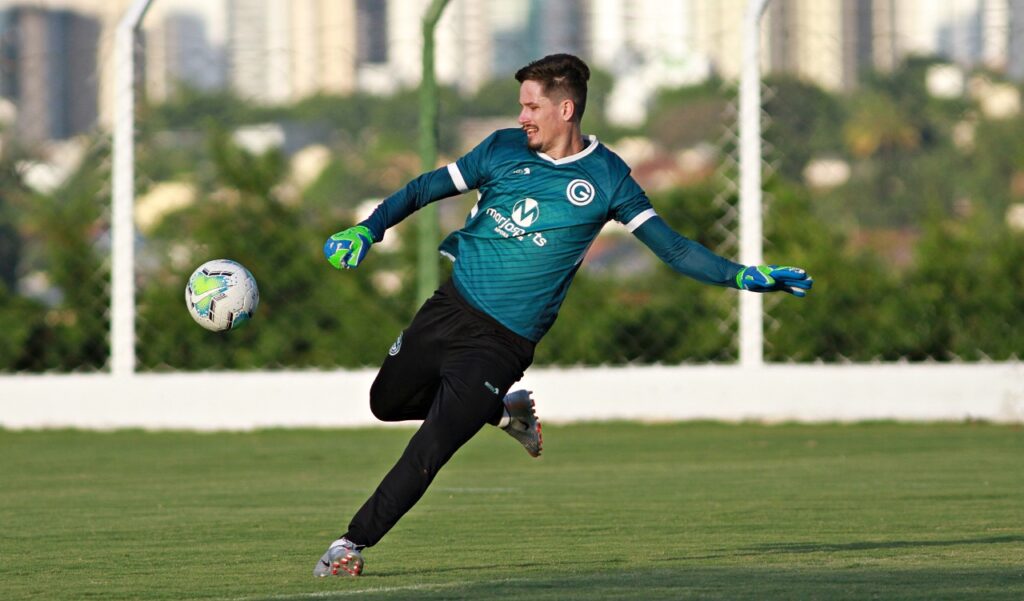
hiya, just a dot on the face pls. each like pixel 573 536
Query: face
pixel 545 120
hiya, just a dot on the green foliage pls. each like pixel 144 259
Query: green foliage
pixel 956 301
pixel 310 315
pixel 803 124
pixel 220 106
pixel 967 282
pixel 494 98
pixel 855 310
pixel 10 241
pixel 684 117
pixel 57 234
pixel 935 173
pixel 22 322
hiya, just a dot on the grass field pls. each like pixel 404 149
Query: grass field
pixel 612 511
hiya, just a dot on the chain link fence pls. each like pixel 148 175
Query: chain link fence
pixel 894 173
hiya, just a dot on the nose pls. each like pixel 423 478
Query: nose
pixel 523 118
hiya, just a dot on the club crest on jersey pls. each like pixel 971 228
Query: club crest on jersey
pixel 525 212
pixel 580 192
pixel 396 347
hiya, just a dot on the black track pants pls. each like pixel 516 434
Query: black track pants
pixel 451 367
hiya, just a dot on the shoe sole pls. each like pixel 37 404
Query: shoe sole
pixel 520 406
pixel 540 437
pixel 350 564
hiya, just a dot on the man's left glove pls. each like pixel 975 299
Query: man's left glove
pixel 772 278
pixel 347 248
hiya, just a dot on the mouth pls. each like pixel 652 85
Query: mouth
pixel 530 130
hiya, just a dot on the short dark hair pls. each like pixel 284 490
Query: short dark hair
pixel 562 73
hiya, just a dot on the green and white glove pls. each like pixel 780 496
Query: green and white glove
pixel 773 278
pixel 346 249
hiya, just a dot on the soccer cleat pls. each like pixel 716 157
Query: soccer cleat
pixel 523 423
pixel 341 559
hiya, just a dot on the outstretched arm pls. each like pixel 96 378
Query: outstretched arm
pixel 695 260
pixel 347 248
pixel 417 194
pixel 686 256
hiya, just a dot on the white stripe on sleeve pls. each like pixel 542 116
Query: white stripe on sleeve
pixel 457 179
pixel 640 219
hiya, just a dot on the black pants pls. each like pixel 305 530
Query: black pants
pixel 451 368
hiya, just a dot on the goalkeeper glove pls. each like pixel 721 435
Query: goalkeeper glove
pixel 772 278
pixel 347 248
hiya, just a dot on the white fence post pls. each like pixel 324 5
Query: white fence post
pixel 751 306
pixel 122 299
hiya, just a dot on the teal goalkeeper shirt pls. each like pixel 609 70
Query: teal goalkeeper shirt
pixel 533 222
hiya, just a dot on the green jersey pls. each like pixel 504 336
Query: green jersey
pixel 533 222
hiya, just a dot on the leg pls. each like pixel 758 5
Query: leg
pixel 408 382
pixel 473 383
pixel 410 377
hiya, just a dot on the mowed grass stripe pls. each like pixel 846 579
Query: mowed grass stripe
pixel 612 511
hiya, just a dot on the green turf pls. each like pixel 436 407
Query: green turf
pixel 612 511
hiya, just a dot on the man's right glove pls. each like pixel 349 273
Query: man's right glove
pixel 772 278
pixel 347 248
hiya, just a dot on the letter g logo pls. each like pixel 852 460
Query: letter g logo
pixel 580 192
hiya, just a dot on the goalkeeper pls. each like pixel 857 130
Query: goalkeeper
pixel 544 192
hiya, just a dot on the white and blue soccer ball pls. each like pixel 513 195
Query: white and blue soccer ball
pixel 221 295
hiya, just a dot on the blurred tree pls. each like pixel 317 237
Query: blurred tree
pixel 69 226
pixel 683 117
pixel 10 240
pixel 855 310
pixel 803 123
pixel 967 279
pixel 309 314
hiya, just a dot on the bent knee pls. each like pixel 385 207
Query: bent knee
pixel 383 404
pixel 385 413
pixel 381 409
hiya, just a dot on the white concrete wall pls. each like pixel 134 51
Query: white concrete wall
pixel 805 393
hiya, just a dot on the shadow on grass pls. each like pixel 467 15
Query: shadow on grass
pixel 879 545
pixel 798 548
pixel 710 583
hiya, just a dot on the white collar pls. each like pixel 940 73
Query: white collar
pixel 573 157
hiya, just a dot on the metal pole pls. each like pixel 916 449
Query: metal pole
pixel 428 272
pixel 751 237
pixel 122 226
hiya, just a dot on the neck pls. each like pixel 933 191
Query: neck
pixel 567 145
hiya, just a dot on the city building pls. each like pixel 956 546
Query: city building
pixel 58 66
pixel 179 51
pixel 49 70
pixel 283 50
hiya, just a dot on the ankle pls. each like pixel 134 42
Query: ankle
pixel 505 420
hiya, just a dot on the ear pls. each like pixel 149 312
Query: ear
pixel 567 109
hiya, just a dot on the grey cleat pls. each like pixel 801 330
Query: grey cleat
pixel 341 559
pixel 523 425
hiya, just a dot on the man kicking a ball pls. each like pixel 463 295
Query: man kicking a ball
pixel 545 191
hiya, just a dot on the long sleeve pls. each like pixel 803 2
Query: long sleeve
pixel 686 256
pixel 415 195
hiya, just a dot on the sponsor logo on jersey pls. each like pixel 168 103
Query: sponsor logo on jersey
pixel 580 192
pixel 525 212
pixel 523 171
pixel 396 347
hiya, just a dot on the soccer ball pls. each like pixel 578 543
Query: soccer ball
pixel 221 295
